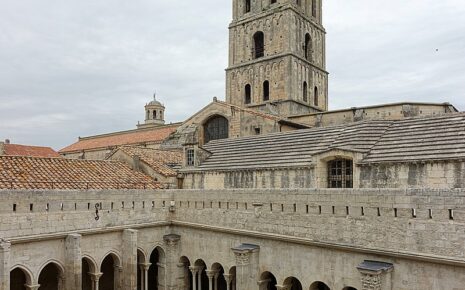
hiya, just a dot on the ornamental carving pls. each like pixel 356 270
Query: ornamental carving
pixel 371 282
pixel 242 258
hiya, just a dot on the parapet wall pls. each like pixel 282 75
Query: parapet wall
pixel 422 223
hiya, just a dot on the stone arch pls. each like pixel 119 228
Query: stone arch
pixel 232 278
pixel 141 268
pixel 319 286
pixel 201 278
pixel 293 283
pixel 89 272
pixel 186 273
pixel 258 44
pixel 109 268
pixel 51 276
pixel 349 288
pixel 216 127
pixel 20 276
pixel 267 281
pixel 219 280
pixel 155 272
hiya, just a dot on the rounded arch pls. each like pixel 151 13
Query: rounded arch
pixel 187 274
pixel 308 47
pixel 293 283
pixel 349 288
pixel 19 276
pixel 268 279
pixel 216 127
pixel 220 280
pixel 319 286
pixel 259 44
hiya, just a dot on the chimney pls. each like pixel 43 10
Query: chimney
pixel 136 162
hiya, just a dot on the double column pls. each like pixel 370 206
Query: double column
pixel 144 277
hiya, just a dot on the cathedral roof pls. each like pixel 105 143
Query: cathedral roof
pixel 26 150
pixel 414 139
pixel 164 162
pixel 59 173
pixel 132 137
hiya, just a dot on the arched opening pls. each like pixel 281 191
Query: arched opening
pixel 155 273
pixel 232 277
pixel 349 288
pixel 314 8
pixel 141 270
pixel 19 279
pixel 340 173
pixel 154 114
pixel 268 281
pixel 266 90
pixel 187 274
pixel 88 269
pixel 248 94
pixel 308 47
pixel 216 128
pixel 50 278
pixel 315 97
pixel 219 281
pixel 259 44
pixel 109 278
pixel 247 6
pixel 201 278
pixel 319 286
pixel 305 92
pixel 293 283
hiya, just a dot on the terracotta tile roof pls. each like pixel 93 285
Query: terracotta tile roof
pixel 59 173
pixel 122 138
pixel 32 151
pixel 162 161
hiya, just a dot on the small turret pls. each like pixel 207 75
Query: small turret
pixel 154 113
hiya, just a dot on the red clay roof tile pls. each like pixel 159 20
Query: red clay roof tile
pixel 32 151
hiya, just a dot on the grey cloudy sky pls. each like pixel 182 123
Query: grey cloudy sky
pixel 73 68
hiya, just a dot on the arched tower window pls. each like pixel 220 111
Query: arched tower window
pixel 248 94
pixel 247 6
pixel 266 90
pixel 154 114
pixel 314 8
pixel 340 173
pixel 315 97
pixel 305 92
pixel 308 47
pixel 217 127
pixel 259 44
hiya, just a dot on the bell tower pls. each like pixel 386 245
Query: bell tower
pixel 277 56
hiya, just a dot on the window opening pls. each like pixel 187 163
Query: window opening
pixel 266 91
pixel 248 94
pixel 259 44
pixel 340 173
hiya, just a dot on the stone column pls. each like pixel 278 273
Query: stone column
pixel 31 287
pixel 73 262
pixel 171 260
pixel 183 277
pixel 210 275
pixel 5 248
pixel 263 284
pixel 199 280
pixel 376 275
pixel 247 266
pixel 95 278
pixel 228 278
pixel 129 256
pixel 118 271
pixel 283 287
pixel 194 271
pixel 145 275
pixel 215 283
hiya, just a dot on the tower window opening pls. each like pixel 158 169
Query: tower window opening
pixel 248 94
pixel 314 7
pixel 190 157
pixel 247 6
pixel 315 97
pixel 340 173
pixel 217 127
pixel 305 92
pixel 308 47
pixel 259 44
pixel 266 90
pixel 154 114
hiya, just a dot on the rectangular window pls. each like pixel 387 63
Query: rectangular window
pixel 190 157
pixel 340 173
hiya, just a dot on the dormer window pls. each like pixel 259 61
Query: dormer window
pixel 340 173
pixel 190 161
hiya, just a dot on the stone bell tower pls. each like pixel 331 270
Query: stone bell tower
pixel 277 56
pixel 154 114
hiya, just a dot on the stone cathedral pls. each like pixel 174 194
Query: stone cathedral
pixel 268 190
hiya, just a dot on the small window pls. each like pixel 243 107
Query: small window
pixel 248 94
pixel 247 6
pixel 154 115
pixel 315 97
pixel 314 8
pixel 259 44
pixel 266 90
pixel 190 157
pixel 257 131
pixel 305 92
pixel 340 173
pixel 308 47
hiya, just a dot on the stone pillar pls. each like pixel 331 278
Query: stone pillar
pixel 215 281
pixel 145 275
pixel 376 275
pixel 247 266
pixel 129 254
pixel 194 271
pixel 228 278
pixel 210 275
pixel 183 276
pixel 95 278
pixel 5 248
pixel 118 271
pixel 73 262
pixel 199 276
pixel 171 260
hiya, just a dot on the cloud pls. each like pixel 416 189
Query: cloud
pixel 77 68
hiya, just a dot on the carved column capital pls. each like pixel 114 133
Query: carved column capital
pixel 194 269
pixel 228 278
pixel 283 287
pixel 32 287
pixel 145 266
pixel 244 252
pixel 372 273
pixel 95 277
pixel 210 273
pixel 172 240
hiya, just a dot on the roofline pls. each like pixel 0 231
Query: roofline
pixel 107 147
pixel 377 106
pixel 58 158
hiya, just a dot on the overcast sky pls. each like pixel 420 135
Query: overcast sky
pixel 72 68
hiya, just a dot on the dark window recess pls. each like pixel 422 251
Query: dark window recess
pixel 340 173
pixel 247 6
pixel 248 94
pixel 305 92
pixel 257 131
pixel 266 90
pixel 190 157
pixel 259 45
pixel 216 128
